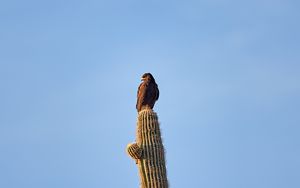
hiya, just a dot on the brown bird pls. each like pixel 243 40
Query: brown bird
pixel 148 92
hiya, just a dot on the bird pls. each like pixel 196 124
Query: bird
pixel 147 93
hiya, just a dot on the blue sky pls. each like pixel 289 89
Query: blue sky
pixel 228 73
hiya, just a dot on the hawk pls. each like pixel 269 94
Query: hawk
pixel 147 93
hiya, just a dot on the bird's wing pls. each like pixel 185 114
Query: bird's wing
pixel 141 94
pixel 157 92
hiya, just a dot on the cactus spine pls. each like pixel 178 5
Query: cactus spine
pixel 148 151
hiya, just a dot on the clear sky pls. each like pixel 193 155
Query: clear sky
pixel 228 73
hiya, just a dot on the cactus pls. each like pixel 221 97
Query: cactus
pixel 148 151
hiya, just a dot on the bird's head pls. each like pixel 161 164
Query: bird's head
pixel 148 77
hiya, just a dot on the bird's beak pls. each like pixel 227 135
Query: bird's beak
pixel 142 79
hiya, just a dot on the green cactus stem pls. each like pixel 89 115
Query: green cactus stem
pixel 148 151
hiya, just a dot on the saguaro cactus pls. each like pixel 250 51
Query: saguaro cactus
pixel 148 151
